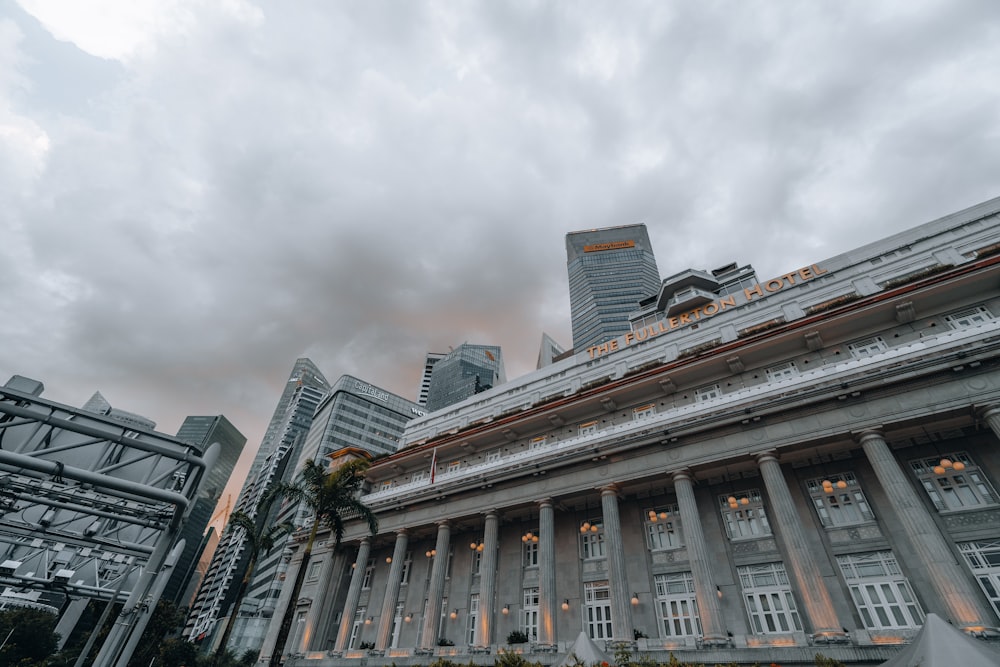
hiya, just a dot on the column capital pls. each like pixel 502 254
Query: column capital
pixel 545 502
pixel 402 532
pixel 867 434
pixel 683 473
pixel 986 410
pixel 609 489
pixel 766 455
pixel 494 512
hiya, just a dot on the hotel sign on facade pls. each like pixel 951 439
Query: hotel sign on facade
pixel 707 310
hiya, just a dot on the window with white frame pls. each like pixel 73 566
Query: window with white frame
pixel 359 621
pixel 968 318
pixel 592 541
pixel 454 466
pixel 536 443
pixel 644 412
pixel 880 592
pixel 369 573
pixel 747 519
pixel 676 604
pixel 529 548
pixel 841 503
pixel 314 569
pixel 867 348
pixel 404 578
pixel 707 393
pixel 473 615
pixel 386 485
pixel 597 609
pixel 493 456
pixel 983 558
pixel 477 561
pixel 529 613
pixel 768 598
pixel 419 476
pixel 959 485
pixel 397 624
pixel 781 371
pixel 589 428
pixel 663 528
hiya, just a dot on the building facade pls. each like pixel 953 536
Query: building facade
pixel 425 376
pixel 807 465
pixel 465 371
pixel 611 271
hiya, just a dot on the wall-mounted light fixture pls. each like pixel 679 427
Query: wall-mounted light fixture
pixel 408 617
pixel 505 610
pixel 477 546
pixel 368 621
pixel 587 527
pixel 388 559
pixel 529 537
pixel 565 605
pixel 430 553
pixel 635 599
pixel 718 592
pixel 454 614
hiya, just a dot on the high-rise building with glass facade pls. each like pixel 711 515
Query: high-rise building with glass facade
pixel 466 370
pixel 610 271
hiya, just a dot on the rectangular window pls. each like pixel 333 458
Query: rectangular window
pixel 968 318
pixel 643 412
pixel 359 621
pixel 867 348
pixel 983 558
pixel 454 466
pixel 314 569
pixel 781 372
pixel 404 578
pixel 677 606
pixel 369 573
pixel 386 485
pixel 529 548
pixel 589 428
pixel 663 528
pixel 768 598
pixel 880 592
pixel 529 613
pixel 473 616
pixel 419 476
pixel 597 609
pixel 536 443
pixel 839 502
pixel 493 456
pixel 707 393
pixel 954 482
pixel 477 562
pixel 743 514
pixel 397 625
pixel 592 541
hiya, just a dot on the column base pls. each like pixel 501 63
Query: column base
pixel 830 637
pixel 713 641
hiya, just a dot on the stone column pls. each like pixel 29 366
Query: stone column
pixel 546 573
pixel 709 610
pixel 818 605
pixel 388 614
pixel 315 633
pixel 353 595
pixel 991 415
pixel 621 610
pixel 947 577
pixel 435 590
pixel 488 579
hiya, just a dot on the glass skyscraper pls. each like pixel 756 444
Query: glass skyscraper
pixel 466 370
pixel 610 271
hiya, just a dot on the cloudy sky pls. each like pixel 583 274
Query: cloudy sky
pixel 193 194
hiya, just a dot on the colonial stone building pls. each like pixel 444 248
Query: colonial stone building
pixel 806 464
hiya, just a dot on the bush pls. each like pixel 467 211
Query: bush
pixel 517 637
pixel 444 641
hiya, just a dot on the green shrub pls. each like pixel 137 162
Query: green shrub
pixel 517 637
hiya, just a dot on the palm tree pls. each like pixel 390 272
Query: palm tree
pixel 260 536
pixel 333 498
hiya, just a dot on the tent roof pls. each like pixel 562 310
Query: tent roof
pixel 585 651
pixel 939 644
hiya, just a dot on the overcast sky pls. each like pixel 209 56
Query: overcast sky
pixel 194 194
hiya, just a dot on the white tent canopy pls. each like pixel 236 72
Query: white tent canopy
pixel 939 644
pixel 584 651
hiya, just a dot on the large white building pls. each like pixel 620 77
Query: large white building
pixel 807 464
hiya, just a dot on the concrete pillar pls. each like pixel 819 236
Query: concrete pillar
pixel 435 589
pixel 546 573
pixel 705 591
pixel 948 577
pixel 313 633
pixel 621 610
pixel 991 415
pixel 353 595
pixel 488 579
pixel 815 597
pixel 388 614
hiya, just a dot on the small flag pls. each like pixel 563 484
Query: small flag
pixel 490 356
pixel 434 460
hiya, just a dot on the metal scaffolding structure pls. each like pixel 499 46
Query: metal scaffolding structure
pixel 90 507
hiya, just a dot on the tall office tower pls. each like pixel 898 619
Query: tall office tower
pixel 610 271
pixel 425 378
pixel 202 432
pixel 549 351
pixel 466 370
pixel 282 441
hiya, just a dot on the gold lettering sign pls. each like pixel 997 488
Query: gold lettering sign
pixel 707 310
pixel 611 245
